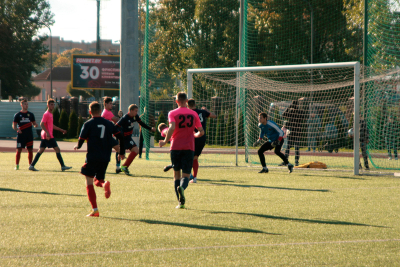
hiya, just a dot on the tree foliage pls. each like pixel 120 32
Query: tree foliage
pixel 73 124
pixel 20 52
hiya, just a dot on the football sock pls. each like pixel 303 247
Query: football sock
pixel 130 158
pixel 92 196
pixel 60 159
pixel 184 182
pixel 30 156
pixel 195 167
pixel 17 157
pixel 117 159
pixel 176 184
pixel 36 159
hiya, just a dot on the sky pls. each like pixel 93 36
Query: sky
pixel 76 20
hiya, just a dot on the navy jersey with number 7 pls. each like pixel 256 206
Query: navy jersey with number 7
pixel 99 135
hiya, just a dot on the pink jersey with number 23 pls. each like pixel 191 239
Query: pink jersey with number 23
pixel 186 120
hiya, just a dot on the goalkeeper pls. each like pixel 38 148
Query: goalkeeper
pixel 275 140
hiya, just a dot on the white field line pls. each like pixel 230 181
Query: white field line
pixel 198 248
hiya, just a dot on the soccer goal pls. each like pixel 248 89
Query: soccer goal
pixel 324 124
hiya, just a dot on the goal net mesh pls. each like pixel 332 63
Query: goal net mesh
pixel 315 106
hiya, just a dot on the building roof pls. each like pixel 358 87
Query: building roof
pixel 59 74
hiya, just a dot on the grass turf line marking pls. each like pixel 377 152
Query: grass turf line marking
pixel 197 248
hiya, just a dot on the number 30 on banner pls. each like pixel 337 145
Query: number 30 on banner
pixel 93 72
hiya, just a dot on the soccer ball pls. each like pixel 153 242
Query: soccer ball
pixel 350 133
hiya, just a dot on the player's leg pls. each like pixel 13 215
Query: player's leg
pixel 289 142
pixel 29 147
pixel 92 197
pixel 198 148
pixel 58 154
pixel 99 180
pixel 22 141
pixel 266 146
pixel 282 156
pixel 134 151
pixel 129 145
pixel 193 178
pixel 17 158
pixel 43 145
pixel 186 159
pixel 89 170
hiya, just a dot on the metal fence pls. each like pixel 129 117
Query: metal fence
pixel 8 110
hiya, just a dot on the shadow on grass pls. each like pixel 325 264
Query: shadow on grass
pixel 272 187
pixel 34 192
pixel 197 226
pixel 340 177
pixel 295 219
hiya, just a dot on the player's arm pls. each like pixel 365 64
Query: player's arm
pixel 59 129
pixel 144 125
pixel 44 128
pixel 169 134
pixel 199 127
pixel 210 114
pixel 15 127
pixel 82 137
pixel 115 119
pixel 200 132
pixel 34 124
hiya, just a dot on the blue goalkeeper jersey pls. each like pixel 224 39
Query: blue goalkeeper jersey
pixel 271 129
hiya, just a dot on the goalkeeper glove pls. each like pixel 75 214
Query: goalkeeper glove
pixel 275 143
pixel 256 143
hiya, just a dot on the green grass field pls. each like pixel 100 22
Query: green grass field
pixel 234 217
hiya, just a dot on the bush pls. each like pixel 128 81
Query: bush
pixel 56 118
pixel 72 124
pixel 161 119
pixel 80 124
pixel 63 122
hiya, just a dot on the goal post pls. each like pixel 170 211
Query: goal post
pixel 250 90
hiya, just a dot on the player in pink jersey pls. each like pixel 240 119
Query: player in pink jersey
pixel 182 122
pixel 108 115
pixel 48 137
pixel 107 112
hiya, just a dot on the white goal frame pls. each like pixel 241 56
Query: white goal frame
pixel 355 65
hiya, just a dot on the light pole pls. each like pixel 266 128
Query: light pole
pixel 51 62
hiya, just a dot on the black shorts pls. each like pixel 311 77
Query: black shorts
pixel 95 169
pixel 129 143
pixel 182 160
pixel 198 146
pixel 49 143
pixel 25 140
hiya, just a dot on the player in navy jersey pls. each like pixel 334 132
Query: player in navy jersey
pixel 23 122
pixel 199 143
pixel 275 140
pixel 126 123
pixel 99 134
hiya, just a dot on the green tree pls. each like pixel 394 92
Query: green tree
pixel 77 92
pixel 63 122
pixel 56 118
pixel 72 124
pixel 80 124
pixel 20 52
pixel 161 119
